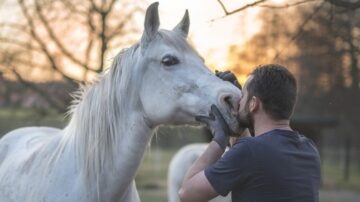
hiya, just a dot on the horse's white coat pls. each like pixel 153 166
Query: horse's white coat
pixel 95 158
pixel 180 164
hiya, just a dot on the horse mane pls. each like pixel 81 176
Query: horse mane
pixel 99 114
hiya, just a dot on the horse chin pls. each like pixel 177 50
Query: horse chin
pixel 230 119
pixel 233 125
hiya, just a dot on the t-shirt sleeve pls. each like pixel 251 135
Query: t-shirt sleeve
pixel 231 170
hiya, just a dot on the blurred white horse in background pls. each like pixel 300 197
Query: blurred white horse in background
pixel 161 80
pixel 180 164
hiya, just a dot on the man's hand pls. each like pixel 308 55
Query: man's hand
pixel 228 76
pixel 217 125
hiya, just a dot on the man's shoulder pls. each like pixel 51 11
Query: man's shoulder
pixel 243 141
pixel 248 143
pixel 243 145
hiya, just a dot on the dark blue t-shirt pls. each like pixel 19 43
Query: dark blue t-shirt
pixel 277 166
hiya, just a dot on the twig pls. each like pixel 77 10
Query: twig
pixel 42 44
pixel 345 4
pixel 56 40
pixel 300 30
pixel 227 13
pixel 287 5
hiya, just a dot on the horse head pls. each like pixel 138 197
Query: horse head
pixel 176 84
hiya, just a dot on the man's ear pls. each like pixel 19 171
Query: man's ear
pixel 254 104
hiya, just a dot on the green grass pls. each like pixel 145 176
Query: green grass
pixel 11 119
pixel 152 175
pixel 152 195
pixel 333 176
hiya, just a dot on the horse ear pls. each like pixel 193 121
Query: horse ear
pixel 184 24
pixel 151 24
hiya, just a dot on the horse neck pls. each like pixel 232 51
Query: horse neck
pixel 110 137
pixel 129 154
pixel 119 169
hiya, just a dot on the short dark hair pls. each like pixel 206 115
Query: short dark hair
pixel 275 86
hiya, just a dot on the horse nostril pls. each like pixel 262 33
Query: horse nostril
pixel 228 101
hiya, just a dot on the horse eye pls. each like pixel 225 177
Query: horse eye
pixel 169 60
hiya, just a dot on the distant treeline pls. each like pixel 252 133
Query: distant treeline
pixel 39 96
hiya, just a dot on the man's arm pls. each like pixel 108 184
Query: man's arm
pixel 196 187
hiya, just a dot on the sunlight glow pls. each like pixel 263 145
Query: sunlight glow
pixel 277 2
pixel 211 34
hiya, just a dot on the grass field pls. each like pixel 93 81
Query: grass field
pixel 151 176
pixel 11 119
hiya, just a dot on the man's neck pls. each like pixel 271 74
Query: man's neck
pixel 265 124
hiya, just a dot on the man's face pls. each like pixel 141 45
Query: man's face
pixel 244 116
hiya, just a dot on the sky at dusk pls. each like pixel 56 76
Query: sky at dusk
pixel 211 32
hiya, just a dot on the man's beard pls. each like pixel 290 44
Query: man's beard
pixel 245 119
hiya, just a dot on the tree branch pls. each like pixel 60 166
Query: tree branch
pixel 95 7
pixel 339 3
pixel 89 21
pixel 300 30
pixel 287 5
pixel 227 13
pixel 56 40
pixel 16 26
pixel 42 44
pixel 73 8
pixel 345 4
pixel 111 5
pixel 103 42
pixel 118 28
pixel 104 13
pixel 29 63
pixel 19 43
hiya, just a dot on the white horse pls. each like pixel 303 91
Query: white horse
pixel 161 80
pixel 180 164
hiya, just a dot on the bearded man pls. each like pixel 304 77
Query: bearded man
pixel 276 165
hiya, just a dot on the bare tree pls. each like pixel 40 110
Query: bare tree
pixel 65 39
pixel 321 44
pixel 345 4
pixel 348 4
